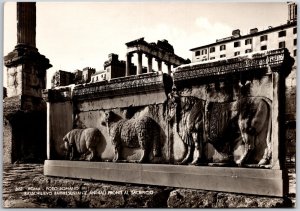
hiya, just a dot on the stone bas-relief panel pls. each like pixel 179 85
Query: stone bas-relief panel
pixel 226 127
pixel 195 131
pixel 129 132
pixel 210 117
pixel 105 150
pixel 223 96
pixel 227 89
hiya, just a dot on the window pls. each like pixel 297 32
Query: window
pixel 282 34
pixel 212 50
pixel 204 51
pixel 248 51
pixel 263 38
pixel 211 58
pixel 295 30
pixel 197 53
pixel 282 44
pixel 204 59
pixel 295 52
pixel 264 47
pixel 237 44
pixel 295 41
pixel 248 41
pixel 223 55
pixel 236 53
pixel 222 47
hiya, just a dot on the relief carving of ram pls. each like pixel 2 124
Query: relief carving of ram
pixel 141 132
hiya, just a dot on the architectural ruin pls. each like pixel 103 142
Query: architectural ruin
pixel 224 118
pixel 24 108
pixel 185 110
pixel 161 52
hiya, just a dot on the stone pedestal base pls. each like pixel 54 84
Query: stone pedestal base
pixel 239 180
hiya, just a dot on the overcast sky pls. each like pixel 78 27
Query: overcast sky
pixel 75 35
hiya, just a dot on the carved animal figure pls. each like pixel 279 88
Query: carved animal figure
pixel 141 133
pixel 80 142
pixel 199 121
pixel 188 113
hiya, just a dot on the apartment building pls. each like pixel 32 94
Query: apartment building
pixel 282 36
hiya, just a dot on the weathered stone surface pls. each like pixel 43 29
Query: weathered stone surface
pixel 191 198
pixel 266 182
pixel 23 133
pixel 182 198
pixel 24 176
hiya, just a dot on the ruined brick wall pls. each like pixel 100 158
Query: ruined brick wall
pixel 24 133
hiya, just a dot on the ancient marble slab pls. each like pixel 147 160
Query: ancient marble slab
pixel 266 182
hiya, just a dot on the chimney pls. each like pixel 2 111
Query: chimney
pixel 253 31
pixel 292 12
pixel 236 33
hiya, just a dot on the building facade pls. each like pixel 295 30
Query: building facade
pixel 283 36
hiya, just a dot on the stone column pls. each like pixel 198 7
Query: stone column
pixel 128 64
pixel 169 68
pixel 140 63
pixel 159 65
pixel 25 109
pixel 149 64
pixel 26 16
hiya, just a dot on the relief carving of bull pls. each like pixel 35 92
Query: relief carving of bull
pixel 141 132
pixel 81 142
pixel 200 121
